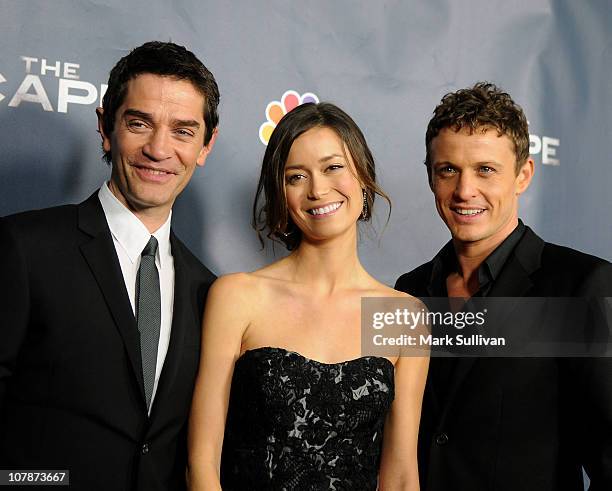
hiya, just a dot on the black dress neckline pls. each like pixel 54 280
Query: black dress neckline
pixel 252 351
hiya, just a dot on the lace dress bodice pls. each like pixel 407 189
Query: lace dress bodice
pixel 297 424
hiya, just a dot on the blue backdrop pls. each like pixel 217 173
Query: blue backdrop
pixel 386 63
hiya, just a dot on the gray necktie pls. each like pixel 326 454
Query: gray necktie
pixel 148 314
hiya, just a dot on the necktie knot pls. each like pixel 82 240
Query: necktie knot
pixel 151 248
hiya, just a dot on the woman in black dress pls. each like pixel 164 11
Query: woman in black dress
pixel 283 399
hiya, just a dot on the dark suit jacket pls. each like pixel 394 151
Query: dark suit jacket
pixel 526 424
pixel 71 389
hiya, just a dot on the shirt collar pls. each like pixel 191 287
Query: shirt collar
pixel 129 231
pixel 495 262
pixel 445 262
pixel 442 265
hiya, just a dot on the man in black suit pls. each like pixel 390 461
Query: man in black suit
pixel 506 423
pixel 101 303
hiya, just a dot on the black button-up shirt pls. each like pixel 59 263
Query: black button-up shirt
pixel 446 263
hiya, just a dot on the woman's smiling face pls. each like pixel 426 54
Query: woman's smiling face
pixel 324 196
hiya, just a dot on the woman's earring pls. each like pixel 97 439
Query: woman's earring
pixel 288 233
pixel 364 210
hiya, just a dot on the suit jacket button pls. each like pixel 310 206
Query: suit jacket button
pixel 145 448
pixel 441 438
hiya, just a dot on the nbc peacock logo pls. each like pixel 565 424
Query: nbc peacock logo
pixel 276 110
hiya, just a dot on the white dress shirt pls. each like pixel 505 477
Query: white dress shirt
pixel 130 237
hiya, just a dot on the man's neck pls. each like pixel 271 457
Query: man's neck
pixel 152 218
pixel 153 222
pixel 471 255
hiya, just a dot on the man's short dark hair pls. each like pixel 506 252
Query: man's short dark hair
pixel 480 107
pixel 168 60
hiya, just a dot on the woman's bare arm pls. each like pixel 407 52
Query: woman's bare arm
pixel 226 317
pixel 398 468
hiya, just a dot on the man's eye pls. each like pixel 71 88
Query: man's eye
pixel 183 132
pixel 136 124
pixel 485 169
pixel 447 169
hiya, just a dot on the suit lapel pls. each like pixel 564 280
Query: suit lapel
pixel 101 256
pixel 513 281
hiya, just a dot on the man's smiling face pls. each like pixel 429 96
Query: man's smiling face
pixel 475 184
pixel 156 143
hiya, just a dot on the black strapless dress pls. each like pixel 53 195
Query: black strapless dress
pixel 297 424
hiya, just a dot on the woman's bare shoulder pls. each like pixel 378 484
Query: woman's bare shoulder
pixel 242 284
pixel 232 304
pixel 242 287
pixel 382 290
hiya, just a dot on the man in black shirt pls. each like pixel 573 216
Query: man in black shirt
pixel 515 422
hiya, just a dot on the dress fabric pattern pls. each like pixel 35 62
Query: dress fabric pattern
pixel 298 424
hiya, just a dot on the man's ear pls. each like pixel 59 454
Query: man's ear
pixel 524 176
pixel 201 160
pixel 106 144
